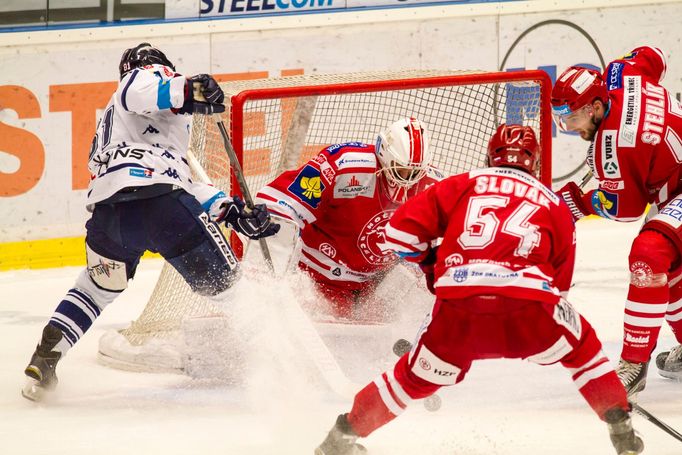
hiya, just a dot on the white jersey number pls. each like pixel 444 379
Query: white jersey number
pixel 482 225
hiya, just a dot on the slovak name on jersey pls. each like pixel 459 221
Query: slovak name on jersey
pixel 609 157
pixel 357 159
pixel 352 185
pixel 629 120
pixel 308 186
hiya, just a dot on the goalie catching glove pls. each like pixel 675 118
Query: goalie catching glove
pixel 203 95
pixel 254 223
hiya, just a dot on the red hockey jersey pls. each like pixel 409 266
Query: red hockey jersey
pixel 637 151
pixel 504 233
pixel 337 201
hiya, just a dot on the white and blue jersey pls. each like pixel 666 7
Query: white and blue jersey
pixel 141 138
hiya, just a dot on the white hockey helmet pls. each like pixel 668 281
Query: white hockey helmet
pixel 404 155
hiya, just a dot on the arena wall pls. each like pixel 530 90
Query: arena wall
pixel 56 81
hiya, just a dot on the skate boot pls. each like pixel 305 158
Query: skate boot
pixel 40 372
pixel 623 437
pixel 632 375
pixel 341 440
pixel 669 363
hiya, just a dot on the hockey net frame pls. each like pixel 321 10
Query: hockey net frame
pixel 277 124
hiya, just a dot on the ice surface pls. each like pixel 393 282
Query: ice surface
pixel 503 407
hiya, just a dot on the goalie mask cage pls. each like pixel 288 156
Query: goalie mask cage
pixel 278 124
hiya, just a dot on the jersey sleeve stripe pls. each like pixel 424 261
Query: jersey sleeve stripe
pixel 125 90
pixel 404 238
pixel 291 203
pixel 163 99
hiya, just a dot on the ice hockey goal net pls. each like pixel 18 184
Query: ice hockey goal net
pixel 277 124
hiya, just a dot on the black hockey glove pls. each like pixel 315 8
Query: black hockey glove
pixel 428 267
pixel 254 224
pixel 203 95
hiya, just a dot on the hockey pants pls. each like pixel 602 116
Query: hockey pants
pixel 460 331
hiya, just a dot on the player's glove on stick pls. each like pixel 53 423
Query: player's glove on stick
pixel 254 224
pixel 575 199
pixel 203 95
pixel 428 267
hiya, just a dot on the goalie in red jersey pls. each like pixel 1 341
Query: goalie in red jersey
pixel 341 201
pixel 635 129
pixel 500 276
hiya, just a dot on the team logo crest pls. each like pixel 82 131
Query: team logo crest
pixel 328 250
pixel 308 186
pixel 454 260
pixel 460 275
pixel 372 235
pixel 605 203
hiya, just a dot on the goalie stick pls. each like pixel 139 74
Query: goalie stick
pixel 304 330
pixel 660 424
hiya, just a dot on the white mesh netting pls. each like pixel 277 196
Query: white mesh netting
pixel 278 124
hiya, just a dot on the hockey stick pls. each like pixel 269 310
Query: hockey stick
pixel 241 181
pixel 305 331
pixel 663 426
pixel 586 179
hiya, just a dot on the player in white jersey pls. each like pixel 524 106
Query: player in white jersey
pixel 142 197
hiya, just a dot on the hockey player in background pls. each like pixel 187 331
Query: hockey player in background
pixel 500 276
pixel 634 126
pixel 142 197
pixel 341 201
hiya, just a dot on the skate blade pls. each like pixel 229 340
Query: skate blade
pixel 674 375
pixel 33 391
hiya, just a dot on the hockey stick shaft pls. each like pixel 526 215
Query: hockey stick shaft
pixel 586 179
pixel 241 181
pixel 305 331
pixel 660 424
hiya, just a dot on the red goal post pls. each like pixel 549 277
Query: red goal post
pixel 278 124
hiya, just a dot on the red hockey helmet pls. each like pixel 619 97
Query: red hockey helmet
pixel 514 146
pixel 576 88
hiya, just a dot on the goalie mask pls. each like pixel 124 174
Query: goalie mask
pixel 572 97
pixel 404 155
pixel 514 146
pixel 141 55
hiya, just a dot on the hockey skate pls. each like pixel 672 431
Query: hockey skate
pixel 632 375
pixel 341 440
pixel 669 363
pixel 41 375
pixel 623 437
